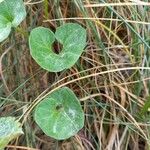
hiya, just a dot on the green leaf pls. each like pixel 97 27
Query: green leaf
pixel 146 107
pixel 71 35
pixel 1 1
pixel 5 28
pixel 60 114
pixel 9 129
pixel 12 13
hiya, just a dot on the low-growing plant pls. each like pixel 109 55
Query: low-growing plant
pixel 60 114
pixel 71 35
pixel 12 13
pixel 9 129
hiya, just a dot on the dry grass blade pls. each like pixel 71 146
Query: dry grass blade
pixel 111 78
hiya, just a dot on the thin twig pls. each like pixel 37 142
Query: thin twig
pixel 1 70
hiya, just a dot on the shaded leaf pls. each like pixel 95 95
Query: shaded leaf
pixel 146 106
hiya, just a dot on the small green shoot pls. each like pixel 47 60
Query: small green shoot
pixel 146 107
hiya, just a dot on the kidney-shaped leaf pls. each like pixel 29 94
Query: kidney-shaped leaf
pixel 60 114
pixel 9 129
pixel 71 35
pixel 12 13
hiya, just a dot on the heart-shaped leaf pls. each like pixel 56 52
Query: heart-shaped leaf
pixel 71 35
pixel 12 13
pixel 9 129
pixel 60 114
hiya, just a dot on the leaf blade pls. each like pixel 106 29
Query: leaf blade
pixel 71 35
pixel 14 12
pixel 64 122
pixel 9 129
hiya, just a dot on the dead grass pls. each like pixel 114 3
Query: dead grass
pixel 111 78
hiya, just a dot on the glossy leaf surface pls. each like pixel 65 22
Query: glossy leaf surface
pixel 71 35
pixel 12 13
pixel 9 129
pixel 60 114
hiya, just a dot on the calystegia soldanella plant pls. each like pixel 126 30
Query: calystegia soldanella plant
pixel 74 75
pixel 59 114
